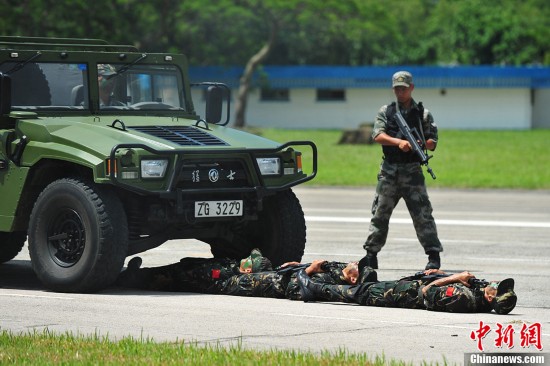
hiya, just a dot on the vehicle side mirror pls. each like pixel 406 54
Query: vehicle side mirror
pixel 214 103
pixel 216 95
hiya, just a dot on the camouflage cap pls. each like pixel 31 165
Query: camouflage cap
pixel 256 262
pixel 105 70
pixel 506 298
pixel 402 78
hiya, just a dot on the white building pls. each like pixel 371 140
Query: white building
pixel 339 97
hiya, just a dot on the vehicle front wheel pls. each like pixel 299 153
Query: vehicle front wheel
pixel 279 232
pixel 11 244
pixel 78 236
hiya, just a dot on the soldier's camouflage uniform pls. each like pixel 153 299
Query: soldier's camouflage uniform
pixel 401 176
pixel 278 284
pixel 222 276
pixel 407 293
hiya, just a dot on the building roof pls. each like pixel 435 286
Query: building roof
pixel 380 76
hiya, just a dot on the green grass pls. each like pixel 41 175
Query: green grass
pixel 47 348
pixel 463 159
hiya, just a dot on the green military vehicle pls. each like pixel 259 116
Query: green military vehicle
pixel 102 156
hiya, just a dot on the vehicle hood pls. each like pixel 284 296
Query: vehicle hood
pixel 100 134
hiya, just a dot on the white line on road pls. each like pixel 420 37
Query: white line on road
pixel 37 296
pixel 361 220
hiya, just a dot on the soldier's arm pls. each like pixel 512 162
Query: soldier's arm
pixel 315 267
pixel 380 123
pixel 286 264
pixel 462 277
pixel 430 130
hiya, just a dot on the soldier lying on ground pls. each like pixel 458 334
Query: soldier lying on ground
pixel 323 281
pixel 252 276
pixel 432 289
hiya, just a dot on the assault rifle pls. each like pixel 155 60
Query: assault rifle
pixel 474 282
pixel 326 266
pixel 412 136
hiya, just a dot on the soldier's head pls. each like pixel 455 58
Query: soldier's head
pixel 501 295
pixel 105 79
pixel 402 84
pixel 351 273
pixel 255 262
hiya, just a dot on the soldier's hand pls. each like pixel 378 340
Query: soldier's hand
pixel 432 271
pixel 315 267
pixel 464 277
pixel 404 145
pixel 290 264
pixel 430 144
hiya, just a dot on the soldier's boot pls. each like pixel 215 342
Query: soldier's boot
pixel 434 261
pixel 370 260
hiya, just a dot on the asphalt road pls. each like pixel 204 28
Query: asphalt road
pixel 494 234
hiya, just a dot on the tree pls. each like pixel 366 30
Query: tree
pixel 273 19
pixel 478 32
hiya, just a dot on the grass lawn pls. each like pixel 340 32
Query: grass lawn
pixel 45 348
pixel 463 159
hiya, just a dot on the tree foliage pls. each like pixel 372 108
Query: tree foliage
pixel 329 32
pixel 301 32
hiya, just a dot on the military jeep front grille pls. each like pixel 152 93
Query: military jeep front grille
pixel 182 135
pixel 220 174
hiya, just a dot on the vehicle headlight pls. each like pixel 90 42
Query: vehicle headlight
pixel 269 166
pixel 153 168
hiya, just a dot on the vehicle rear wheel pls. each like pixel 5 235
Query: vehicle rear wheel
pixel 12 243
pixel 279 232
pixel 78 236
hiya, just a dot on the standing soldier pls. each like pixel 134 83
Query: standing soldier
pixel 401 175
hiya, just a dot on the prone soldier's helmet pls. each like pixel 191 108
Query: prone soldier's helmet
pixel 256 262
pixel 505 300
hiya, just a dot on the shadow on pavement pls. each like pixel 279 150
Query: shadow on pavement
pixel 18 274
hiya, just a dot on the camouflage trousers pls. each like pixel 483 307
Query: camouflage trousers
pixel 396 181
pixel 261 284
pixel 400 294
pixel 207 275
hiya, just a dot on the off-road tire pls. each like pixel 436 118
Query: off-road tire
pixel 279 232
pixel 11 244
pixel 78 236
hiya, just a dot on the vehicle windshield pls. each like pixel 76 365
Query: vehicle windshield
pixel 64 86
pixel 47 85
pixel 152 87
